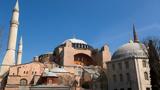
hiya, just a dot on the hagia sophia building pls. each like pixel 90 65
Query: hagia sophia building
pixel 75 65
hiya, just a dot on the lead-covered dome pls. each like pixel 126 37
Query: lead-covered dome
pixel 75 40
pixel 131 49
pixel 76 44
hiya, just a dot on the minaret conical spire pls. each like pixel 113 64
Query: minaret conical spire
pixel 135 36
pixel 16 6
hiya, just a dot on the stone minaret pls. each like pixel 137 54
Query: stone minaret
pixel 19 53
pixel 9 58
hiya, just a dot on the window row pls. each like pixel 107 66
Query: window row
pixel 130 89
pixel 26 72
pixel 80 58
pixel 77 45
pixel 123 89
pixel 127 76
pixel 121 77
pixel 120 65
pixel 126 64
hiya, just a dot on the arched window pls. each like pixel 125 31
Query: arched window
pixel 128 76
pixel 121 77
pixel 82 45
pixel 146 76
pixel 79 46
pixel 23 82
pixel 86 46
pixel 114 78
pixel 83 59
pixel 113 66
pixel 120 66
pixel 76 45
pixel 144 63
pixel 127 64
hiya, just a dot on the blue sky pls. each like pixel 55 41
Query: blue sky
pixel 44 24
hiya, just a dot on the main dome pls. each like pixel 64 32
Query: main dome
pixel 75 40
pixel 130 50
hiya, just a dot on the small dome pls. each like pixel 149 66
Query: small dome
pixel 74 40
pixel 130 50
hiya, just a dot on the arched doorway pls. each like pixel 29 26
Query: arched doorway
pixel 23 82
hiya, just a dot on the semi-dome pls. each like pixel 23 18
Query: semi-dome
pixel 131 49
pixel 75 40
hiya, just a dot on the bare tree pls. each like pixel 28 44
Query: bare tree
pixel 153 45
pixel 156 43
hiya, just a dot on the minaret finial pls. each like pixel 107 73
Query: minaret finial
pixel 135 36
pixel 16 6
